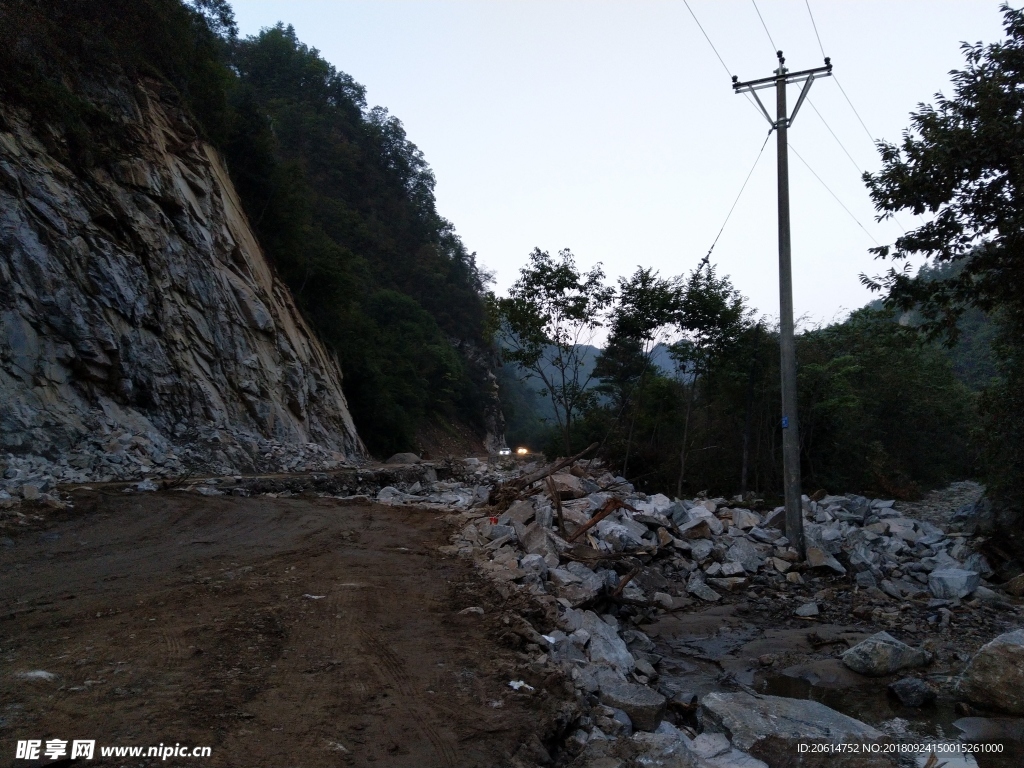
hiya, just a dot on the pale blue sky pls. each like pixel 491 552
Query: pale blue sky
pixel 611 128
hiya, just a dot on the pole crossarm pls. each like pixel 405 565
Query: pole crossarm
pixel 785 77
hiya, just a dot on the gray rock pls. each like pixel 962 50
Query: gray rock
pixel 695 528
pixel 703 591
pixel 146 485
pixel 995 676
pixel 521 512
pixel 764 535
pixel 748 719
pixel 882 654
pixel 952 583
pixel 817 557
pixel 30 492
pixel 389 493
pixel 605 646
pixel 912 692
pixel 664 750
pixel 708 745
pixel 865 580
pixel 535 539
pixel 746 554
pixel 644 706
pixel 744 519
pixel 535 565
pixel 568 486
pixel 701 549
pixel 404 458
pixel 776 519
pixel 560 577
pixel 807 610
pixel 498 531
pixel 979 564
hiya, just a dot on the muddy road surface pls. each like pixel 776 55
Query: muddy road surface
pixel 277 632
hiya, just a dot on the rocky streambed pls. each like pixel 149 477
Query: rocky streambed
pixel 691 633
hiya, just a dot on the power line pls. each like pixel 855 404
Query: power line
pixel 727 71
pixel 859 119
pixel 826 186
pixel 707 257
pixel 774 47
pixel 842 90
pixel 842 146
pixel 808 4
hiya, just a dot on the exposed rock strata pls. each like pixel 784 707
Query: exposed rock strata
pixel 135 301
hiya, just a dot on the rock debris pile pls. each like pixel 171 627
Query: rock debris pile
pixel 119 455
pixel 604 558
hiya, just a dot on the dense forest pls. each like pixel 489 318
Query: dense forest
pixel 340 199
pixel 688 400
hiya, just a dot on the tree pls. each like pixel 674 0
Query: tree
pixel 547 323
pixel 640 320
pixel 711 318
pixel 962 161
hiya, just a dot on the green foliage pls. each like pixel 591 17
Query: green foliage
pixel 547 321
pixel 341 200
pixel 52 52
pixel 879 410
pixel 880 413
pixel 646 307
pixel 961 161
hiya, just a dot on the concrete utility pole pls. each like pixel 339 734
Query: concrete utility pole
pixel 790 427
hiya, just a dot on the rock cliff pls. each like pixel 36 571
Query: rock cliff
pixel 141 327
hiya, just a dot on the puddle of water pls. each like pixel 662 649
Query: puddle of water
pixel 720 643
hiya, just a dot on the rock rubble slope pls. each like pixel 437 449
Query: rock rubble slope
pixel 603 559
pixel 138 315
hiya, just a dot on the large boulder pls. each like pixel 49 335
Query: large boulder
pixel 605 646
pixel 404 458
pixel 747 719
pixel 568 486
pixel 882 654
pixel 644 706
pixel 952 583
pixel 995 676
pixel 746 554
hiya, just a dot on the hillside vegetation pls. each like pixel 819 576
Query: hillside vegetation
pixel 341 200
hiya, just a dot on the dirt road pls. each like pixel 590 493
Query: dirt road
pixel 278 632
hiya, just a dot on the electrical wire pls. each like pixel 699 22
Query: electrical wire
pixel 727 71
pixel 813 24
pixel 774 47
pixel 835 197
pixel 834 77
pixel 760 152
pixel 840 143
pixel 842 90
pixel 707 257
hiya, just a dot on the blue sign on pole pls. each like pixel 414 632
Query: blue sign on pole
pixel 785 422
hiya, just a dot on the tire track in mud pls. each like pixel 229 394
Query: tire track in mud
pixel 354 604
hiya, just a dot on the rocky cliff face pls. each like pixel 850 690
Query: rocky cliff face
pixel 141 328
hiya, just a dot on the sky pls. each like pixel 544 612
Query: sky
pixel 610 127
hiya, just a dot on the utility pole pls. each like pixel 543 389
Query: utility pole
pixel 787 344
